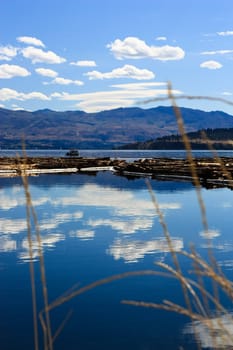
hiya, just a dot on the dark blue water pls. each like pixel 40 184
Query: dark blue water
pixel 93 227
pixel 124 154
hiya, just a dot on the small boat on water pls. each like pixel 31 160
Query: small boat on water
pixel 72 153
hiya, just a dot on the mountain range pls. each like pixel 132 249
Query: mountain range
pixel 108 129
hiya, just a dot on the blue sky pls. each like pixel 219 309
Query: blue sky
pixel 95 55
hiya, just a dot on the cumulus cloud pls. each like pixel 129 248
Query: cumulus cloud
pixel 10 94
pixel 34 96
pixel 63 81
pixel 38 55
pixel 211 65
pixel 84 63
pixel 30 41
pixel 226 33
pixel 217 52
pixel 127 71
pixel 46 72
pixel 8 71
pixel 134 48
pixel 7 52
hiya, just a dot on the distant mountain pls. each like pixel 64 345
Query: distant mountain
pixel 107 129
pixel 221 138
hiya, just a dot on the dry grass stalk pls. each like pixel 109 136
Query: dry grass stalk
pixel 31 265
pixel 48 343
pixel 67 297
pixel 189 97
pixel 188 148
pixel 170 245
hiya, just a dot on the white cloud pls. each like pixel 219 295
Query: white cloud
pixel 161 38
pixel 37 56
pixel 226 33
pixel 84 63
pixel 226 93
pixel 30 41
pixel 136 86
pixel 56 95
pixel 63 81
pixel 8 71
pixel 46 72
pixel 34 96
pixel 10 94
pixel 103 105
pixel 16 107
pixel 217 52
pixel 124 96
pixel 7 52
pixel 127 71
pixel 211 65
pixel 134 48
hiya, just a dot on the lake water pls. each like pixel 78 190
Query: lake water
pixel 93 227
pixel 123 154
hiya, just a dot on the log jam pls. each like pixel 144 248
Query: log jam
pixel 211 172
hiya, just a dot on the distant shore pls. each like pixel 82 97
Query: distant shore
pixel 210 172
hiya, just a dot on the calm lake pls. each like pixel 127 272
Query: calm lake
pixel 123 154
pixel 94 227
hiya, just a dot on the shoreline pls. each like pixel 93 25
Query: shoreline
pixel 211 172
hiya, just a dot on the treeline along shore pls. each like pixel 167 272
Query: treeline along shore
pixel 211 172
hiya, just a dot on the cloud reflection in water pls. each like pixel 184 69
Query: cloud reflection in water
pixel 7 244
pixel 213 333
pixel 132 251
pixel 82 209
